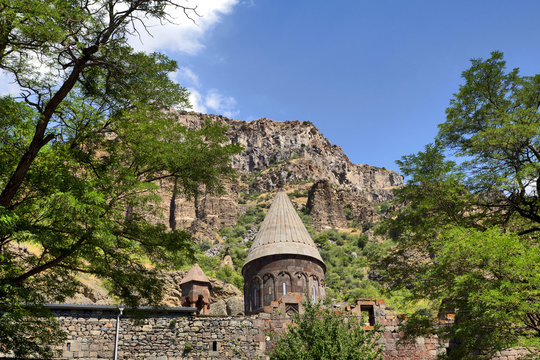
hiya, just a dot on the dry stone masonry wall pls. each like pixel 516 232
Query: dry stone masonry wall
pixel 181 335
pixel 165 336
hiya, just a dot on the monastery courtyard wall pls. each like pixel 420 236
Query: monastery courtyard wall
pixel 179 333
pixel 184 335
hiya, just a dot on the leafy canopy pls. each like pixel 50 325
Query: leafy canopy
pixel 82 153
pixel 467 233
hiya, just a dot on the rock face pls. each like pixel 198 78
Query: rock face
pixel 95 293
pixel 267 143
pixel 92 293
pixel 201 216
pixel 232 306
pixel 295 170
pixel 324 207
pixel 219 211
pixel 277 154
pixel 219 290
pixel 360 208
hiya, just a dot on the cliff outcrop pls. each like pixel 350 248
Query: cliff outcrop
pixel 280 154
pixel 324 207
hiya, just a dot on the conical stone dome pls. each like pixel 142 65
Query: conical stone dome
pixel 282 260
pixel 282 232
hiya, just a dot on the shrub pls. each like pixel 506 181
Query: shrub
pixel 324 334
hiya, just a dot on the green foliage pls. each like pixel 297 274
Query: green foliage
pixel 244 197
pixel 298 194
pixel 348 213
pixel 492 279
pixel 324 334
pixel 207 263
pixel 230 276
pixel 308 223
pixel 346 257
pixel 382 208
pixel 188 347
pixel 467 234
pixel 35 320
pixel 80 157
pixel 493 121
pixel 235 246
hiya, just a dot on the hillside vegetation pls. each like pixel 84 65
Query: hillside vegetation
pixel 346 253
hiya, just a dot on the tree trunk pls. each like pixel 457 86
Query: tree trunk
pixel 39 140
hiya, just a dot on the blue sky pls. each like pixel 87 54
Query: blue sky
pixel 374 76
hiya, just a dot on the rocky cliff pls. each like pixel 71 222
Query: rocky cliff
pixel 282 154
pixel 324 207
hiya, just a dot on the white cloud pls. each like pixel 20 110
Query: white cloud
pixel 196 100
pixel 8 85
pixel 183 34
pixel 248 3
pixel 213 102
pixel 220 103
pixel 187 77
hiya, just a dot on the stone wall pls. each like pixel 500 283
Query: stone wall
pixel 179 334
pixel 160 336
pixel 375 311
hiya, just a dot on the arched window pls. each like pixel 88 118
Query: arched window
pixel 300 285
pixel 314 289
pixel 256 293
pixel 284 283
pixel 268 289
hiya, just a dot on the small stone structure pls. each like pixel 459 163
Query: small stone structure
pixel 283 259
pixel 196 290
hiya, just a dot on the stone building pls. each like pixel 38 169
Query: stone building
pixel 282 260
pixel 196 290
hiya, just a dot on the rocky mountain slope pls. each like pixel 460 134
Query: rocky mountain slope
pixel 283 154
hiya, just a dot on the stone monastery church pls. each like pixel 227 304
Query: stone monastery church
pixel 283 266
pixel 283 259
pixel 283 269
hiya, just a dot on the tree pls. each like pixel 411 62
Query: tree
pixel 81 152
pixel 324 334
pixel 467 234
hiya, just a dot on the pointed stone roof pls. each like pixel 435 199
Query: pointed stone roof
pixel 282 232
pixel 195 274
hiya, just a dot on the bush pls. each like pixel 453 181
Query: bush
pixel 348 213
pixel 323 334
pixel 230 276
